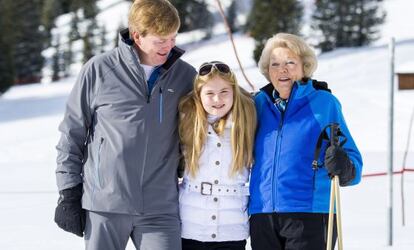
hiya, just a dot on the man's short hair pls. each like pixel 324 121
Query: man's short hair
pixel 157 17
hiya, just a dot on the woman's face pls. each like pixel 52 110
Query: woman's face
pixel 285 68
pixel 217 96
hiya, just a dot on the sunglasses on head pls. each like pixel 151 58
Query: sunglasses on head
pixel 206 68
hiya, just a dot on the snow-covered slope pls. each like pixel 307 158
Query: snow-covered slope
pixel 30 115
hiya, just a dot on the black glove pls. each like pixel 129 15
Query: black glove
pixel 69 214
pixel 338 163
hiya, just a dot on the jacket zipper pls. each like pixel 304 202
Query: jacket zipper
pixel 149 94
pixel 277 154
pixel 161 104
pixel 98 177
pixel 278 142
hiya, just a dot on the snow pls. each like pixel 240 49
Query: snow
pixel 407 68
pixel 359 77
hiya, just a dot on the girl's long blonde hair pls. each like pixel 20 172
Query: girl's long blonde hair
pixel 193 124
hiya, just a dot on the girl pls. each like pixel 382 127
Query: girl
pixel 217 126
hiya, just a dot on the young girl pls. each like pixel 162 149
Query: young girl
pixel 217 126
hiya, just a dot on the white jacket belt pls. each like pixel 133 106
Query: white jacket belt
pixel 208 188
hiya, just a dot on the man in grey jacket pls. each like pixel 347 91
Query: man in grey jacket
pixel 118 153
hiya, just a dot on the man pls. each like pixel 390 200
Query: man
pixel 118 153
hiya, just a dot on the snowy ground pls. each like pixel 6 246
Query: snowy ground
pixel 29 117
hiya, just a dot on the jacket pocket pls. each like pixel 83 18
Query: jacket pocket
pixel 98 179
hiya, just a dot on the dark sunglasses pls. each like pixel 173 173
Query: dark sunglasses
pixel 206 68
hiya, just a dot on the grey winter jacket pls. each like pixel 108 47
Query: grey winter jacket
pixel 120 141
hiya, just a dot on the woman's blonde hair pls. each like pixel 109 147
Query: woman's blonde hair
pixel 157 17
pixel 193 124
pixel 297 45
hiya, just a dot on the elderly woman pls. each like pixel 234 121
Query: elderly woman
pixel 289 196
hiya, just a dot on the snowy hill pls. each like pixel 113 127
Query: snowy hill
pixel 29 117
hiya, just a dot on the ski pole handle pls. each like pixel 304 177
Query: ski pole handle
pixel 334 138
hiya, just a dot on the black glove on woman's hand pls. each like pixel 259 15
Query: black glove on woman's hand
pixel 338 163
pixel 69 214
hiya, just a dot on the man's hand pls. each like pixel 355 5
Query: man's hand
pixel 69 214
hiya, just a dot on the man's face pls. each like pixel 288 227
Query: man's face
pixel 153 50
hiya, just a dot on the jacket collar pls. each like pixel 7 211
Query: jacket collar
pixel 268 89
pixel 303 85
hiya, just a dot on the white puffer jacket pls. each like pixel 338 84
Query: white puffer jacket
pixel 213 206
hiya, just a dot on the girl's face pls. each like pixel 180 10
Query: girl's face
pixel 217 96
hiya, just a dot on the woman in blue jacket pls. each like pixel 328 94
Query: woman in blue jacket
pixel 289 202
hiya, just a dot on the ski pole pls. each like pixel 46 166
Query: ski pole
pixel 338 213
pixel 330 220
pixel 334 197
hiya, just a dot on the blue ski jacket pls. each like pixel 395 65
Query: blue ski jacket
pixel 282 178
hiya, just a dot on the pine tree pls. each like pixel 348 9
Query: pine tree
pixel 6 45
pixel 347 23
pixel 88 47
pixel 65 5
pixel 326 19
pixel 90 10
pixel 67 58
pixel 74 5
pixel 102 39
pixel 88 39
pixel 232 16
pixel 74 27
pixel 194 14
pixel 89 43
pixel 29 42
pixel 56 64
pixel 50 10
pixel 269 17
pixel 68 51
pixel 6 69
pixel 367 16
pixel 6 48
